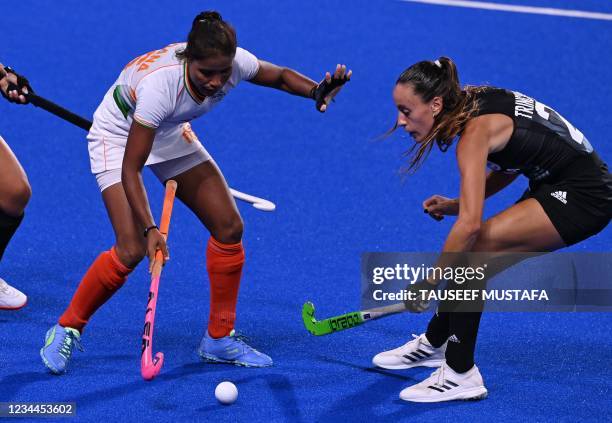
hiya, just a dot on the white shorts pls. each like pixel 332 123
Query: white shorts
pixel 164 170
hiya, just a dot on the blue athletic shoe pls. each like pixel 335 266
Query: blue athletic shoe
pixel 59 342
pixel 232 350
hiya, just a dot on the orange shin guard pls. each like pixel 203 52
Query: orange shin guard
pixel 103 278
pixel 224 264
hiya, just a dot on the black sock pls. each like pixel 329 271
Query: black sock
pixel 8 226
pixel 462 340
pixel 438 329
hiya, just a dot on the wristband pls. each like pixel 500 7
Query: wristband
pixel 146 231
pixel 313 92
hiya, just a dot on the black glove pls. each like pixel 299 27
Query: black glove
pixel 22 83
pixel 419 292
pixel 325 88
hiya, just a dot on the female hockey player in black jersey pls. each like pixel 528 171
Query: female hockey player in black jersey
pixel 569 199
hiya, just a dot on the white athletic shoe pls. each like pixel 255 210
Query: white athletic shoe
pixel 446 385
pixel 11 298
pixel 415 353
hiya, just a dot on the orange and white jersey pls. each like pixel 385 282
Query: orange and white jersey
pixel 155 90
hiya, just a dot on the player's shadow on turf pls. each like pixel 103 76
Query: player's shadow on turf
pixel 417 408
pixel 197 367
pixel 372 396
pixel 283 391
pixel 367 369
pixel 120 391
pixel 12 384
pixel 376 396
pixel 103 362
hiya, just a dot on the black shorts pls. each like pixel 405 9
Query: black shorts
pixel 578 202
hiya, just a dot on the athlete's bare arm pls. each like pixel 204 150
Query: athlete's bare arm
pixel 293 82
pixel 285 79
pixel 137 150
pixel 499 131
pixel 472 152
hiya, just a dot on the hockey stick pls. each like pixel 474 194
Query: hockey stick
pixel 258 203
pixel 149 366
pixel 345 321
pixel 81 122
pixel 59 111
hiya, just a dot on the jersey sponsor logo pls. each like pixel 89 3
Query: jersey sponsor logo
pixel 560 195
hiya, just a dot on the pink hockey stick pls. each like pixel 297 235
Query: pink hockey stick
pixel 149 366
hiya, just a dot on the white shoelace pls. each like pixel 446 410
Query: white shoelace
pixel 416 338
pixel 4 287
pixel 440 380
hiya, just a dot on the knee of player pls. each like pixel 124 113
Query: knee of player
pixel 131 253
pixel 486 242
pixel 16 197
pixel 229 231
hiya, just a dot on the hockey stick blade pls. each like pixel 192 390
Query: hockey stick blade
pixel 257 202
pixel 344 321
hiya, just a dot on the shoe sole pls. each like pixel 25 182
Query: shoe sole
pixel 428 363
pixel 48 365
pixel 472 394
pixel 14 308
pixel 212 359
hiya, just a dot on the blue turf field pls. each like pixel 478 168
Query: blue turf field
pixel 338 195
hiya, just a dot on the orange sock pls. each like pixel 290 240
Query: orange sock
pixel 103 278
pixel 224 264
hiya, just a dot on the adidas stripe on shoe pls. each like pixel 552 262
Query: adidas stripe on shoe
pixel 415 353
pixel 447 385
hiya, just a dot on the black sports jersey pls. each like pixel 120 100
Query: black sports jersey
pixel 543 143
pixel 565 174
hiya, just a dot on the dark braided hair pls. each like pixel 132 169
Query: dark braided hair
pixel 210 36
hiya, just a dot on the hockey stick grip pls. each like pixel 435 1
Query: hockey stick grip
pixel 164 224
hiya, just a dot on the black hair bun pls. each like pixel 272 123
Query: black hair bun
pixel 209 15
